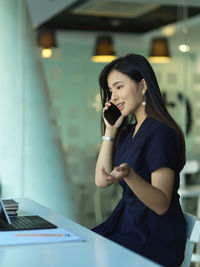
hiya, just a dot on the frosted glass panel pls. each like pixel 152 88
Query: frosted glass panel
pixel 31 159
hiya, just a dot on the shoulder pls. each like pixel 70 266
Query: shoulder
pixel 160 136
pixel 163 146
pixel 158 129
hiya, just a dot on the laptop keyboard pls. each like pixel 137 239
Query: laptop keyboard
pixel 23 223
pixel 29 222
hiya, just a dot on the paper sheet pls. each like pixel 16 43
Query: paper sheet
pixel 37 236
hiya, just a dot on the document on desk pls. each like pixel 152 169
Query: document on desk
pixel 56 235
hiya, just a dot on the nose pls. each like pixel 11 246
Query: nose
pixel 113 96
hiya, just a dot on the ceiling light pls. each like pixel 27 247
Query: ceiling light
pixel 46 40
pixel 169 30
pixel 159 52
pixel 104 50
pixel 184 48
pixel 46 52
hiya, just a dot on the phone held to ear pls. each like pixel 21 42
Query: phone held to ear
pixel 112 114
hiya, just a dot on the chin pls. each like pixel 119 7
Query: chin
pixel 126 114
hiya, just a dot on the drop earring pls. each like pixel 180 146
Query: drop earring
pixel 144 100
pixel 144 103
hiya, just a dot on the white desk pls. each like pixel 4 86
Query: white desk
pixel 97 251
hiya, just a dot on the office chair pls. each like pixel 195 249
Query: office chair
pixel 188 191
pixel 193 236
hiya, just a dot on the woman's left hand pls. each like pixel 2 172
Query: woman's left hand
pixel 118 173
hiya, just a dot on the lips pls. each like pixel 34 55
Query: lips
pixel 121 105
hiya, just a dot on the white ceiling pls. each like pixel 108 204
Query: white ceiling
pixel 192 3
pixel 42 10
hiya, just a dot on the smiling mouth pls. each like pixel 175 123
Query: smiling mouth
pixel 121 105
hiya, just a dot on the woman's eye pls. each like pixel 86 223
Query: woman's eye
pixel 119 86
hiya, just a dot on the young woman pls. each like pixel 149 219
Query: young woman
pixel 145 158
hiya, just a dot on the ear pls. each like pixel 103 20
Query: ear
pixel 143 86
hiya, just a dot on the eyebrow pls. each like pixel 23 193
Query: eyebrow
pixel 115 83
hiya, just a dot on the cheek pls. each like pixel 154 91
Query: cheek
pixel 135 100
pixel 129 94
pixel 133 96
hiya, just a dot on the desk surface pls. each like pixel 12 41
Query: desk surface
pixel 97 251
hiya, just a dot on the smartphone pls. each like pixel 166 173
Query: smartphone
pixel 112 114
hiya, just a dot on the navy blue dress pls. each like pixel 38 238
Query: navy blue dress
pixel 134 225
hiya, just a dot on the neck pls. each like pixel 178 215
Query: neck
pixel 140 117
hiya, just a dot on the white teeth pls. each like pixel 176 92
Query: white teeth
pixel 119 105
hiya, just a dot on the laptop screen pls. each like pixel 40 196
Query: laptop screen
pixel 3 213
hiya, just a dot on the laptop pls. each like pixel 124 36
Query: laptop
pixel 13 223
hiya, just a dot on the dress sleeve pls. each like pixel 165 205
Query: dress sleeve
pixel 163 150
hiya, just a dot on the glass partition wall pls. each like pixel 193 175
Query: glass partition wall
pixel 31 161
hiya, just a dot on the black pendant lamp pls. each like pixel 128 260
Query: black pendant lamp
pixel 104 49
pixel 159 52
pixel 46 40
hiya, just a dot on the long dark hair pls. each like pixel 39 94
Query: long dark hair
pixel 137 68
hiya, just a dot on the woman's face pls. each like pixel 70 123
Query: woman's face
pixel 126 94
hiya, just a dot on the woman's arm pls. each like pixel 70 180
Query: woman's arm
pixel 157 195
pixel 105 158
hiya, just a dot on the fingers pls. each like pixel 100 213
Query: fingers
pixel 123 170
pixel 104 171
pixel 118 173
pixel 122 167
pixel 108 176
pixel 107 105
